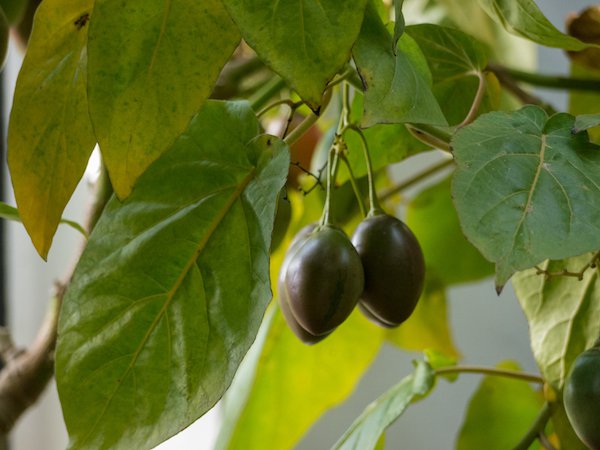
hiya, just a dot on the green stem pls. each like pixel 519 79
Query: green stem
pixel 536 428
pixel 347 75
pixel 286 101
pixel 299 131
pixel 549 81
pixel 374 203
pixel 431 135
pixel 104 191
pixel 325 216
pixel 260 98
pixel 531 378
pixel 357 193
pixel 479 95
pixel 415 179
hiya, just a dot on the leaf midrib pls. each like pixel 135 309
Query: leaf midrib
pixel 171 293
pixel 531 191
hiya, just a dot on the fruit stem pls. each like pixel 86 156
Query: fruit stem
pixel 374 203
pixel 357 193
pixel 330 174
pixel 549 81
pixel 430 135
pixel 479 95
pixel 536 428
pixel 285 101
pixel 308 122
pixel 302 128
pixel 531 378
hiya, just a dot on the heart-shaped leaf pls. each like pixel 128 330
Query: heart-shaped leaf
pixel 50 136
pixel 450 53
pixel 307 42
pixel 397 86
pixel 172 286
pixel 527 189
pixel 152 64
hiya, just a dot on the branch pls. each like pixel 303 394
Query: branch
pixel 27 372
pixel 549 81
pixel 493 371
pixel 536 428
pixel 567 273
pixel 511 85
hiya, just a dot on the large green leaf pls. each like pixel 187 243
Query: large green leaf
pixel 448 255
pixel 397 87
pixel 364 433
pixel 307 42
pixel 499 413
pixel 450 53
pixel 428 326
pixel 8 212
pixel 293 384
pixel 456 61
pixel 526 188
pixel 50 137
pixel 562 313
pixel 524 18
pixel 172 286
pixel 152 64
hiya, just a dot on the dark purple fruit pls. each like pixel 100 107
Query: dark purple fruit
pixel 293 324
pixel 581 397
pixel 372 317
pixel 323 280
pixel 394 268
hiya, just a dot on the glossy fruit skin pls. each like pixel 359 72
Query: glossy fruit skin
pixel 293 324
pixel 301 333
pixel 373 318
pixel 323 280
pixel 581 397
pixel 394 268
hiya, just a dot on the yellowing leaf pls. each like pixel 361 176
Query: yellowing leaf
pixel 152 64
pixel 50 137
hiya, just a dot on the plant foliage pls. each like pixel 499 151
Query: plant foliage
pixel 177 276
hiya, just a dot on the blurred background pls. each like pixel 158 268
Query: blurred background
pixel 487 329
